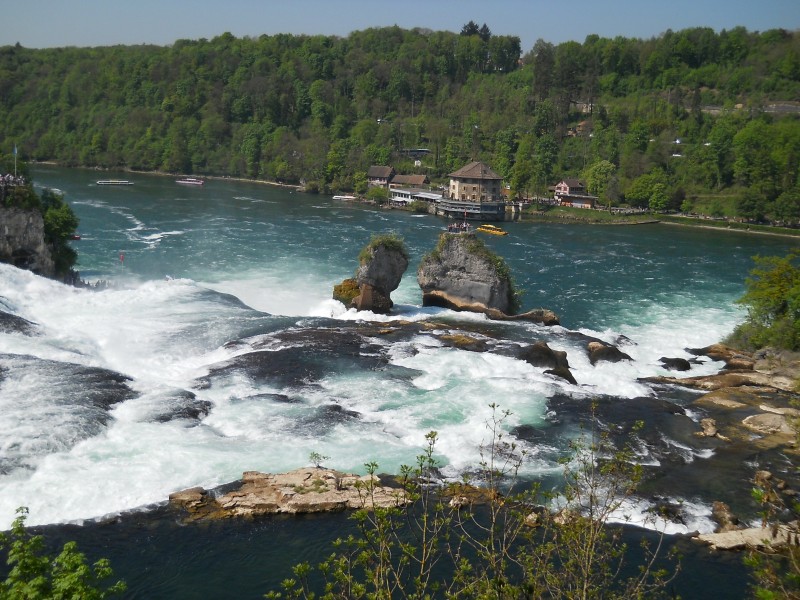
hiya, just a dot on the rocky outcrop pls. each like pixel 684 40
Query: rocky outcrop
pixel 540 354
pixel 544 316
pixel 724 517
pixel 306 490
pixel 675 364
pixel 750 399
pixel 382 264
pixel 732 358
pixel 22 241
pixel 13 324
pixel 600 351
pixel 767 539
pixel 462 274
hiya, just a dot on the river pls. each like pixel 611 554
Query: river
pixel 128 393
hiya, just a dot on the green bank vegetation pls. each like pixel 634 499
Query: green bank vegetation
pixel 463 541
pixel 692 120
pixel 35 575
pixel 772 300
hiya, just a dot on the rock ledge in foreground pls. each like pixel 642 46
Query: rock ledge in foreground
pixel 305 490
pixel 762 538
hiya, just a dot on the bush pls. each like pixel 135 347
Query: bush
pixel 475 540
pixel 772 299
pixel 34 575
pixel 390 241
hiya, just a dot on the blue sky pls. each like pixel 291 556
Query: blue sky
pixel 56 23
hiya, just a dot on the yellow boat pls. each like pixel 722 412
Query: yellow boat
pixel 493 229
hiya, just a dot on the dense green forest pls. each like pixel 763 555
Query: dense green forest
pixel 696 120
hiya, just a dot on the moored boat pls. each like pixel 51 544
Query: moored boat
pixel 493 229
pixel 114 182
pixel 190 181
pixel 344 198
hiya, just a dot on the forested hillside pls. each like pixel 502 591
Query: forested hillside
pixel 695 118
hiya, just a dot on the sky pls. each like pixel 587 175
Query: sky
pixel 59 23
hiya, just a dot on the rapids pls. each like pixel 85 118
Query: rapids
pixel 216 348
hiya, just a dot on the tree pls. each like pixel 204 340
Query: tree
pixel 786 207
pixel 378 195
pixel 544 162
pixel 522 172
pixel 640 191
pixel 772 300
pixel 35 575
pixel 658 198
pixel 598 176
pixel 60 224
pixel 750 205
pixel 470 28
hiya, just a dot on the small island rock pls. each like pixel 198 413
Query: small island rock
pixel 381 266
pixel 462 274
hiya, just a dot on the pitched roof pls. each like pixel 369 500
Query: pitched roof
pixel 476 170
pixel 573 182
pixel 410 179
pixel 379 172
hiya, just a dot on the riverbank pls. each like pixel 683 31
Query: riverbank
pixel 550 214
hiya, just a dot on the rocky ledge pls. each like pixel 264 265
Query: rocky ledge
pixel 306 490
pixel 750 399
pixel 749 404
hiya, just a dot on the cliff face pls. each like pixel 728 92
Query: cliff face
pixel 22 242
pixel 459 275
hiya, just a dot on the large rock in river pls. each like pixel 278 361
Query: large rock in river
pixel 381 266
pixel 462 274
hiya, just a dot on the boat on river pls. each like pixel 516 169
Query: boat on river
pixel 492 229
pixel 344 198
pixel 114 182
pixel 190 181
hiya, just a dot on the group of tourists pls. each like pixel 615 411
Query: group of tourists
pixel 458 227
pixel 9 180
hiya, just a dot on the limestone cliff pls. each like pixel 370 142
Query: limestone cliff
pixel 22 241
pixel 462 274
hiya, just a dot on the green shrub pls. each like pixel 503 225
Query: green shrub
pixel 390 241
pixel 483 541
pixel 35 576
pixel 772 299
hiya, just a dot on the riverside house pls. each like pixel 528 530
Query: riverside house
pixel 379 176
pixel 475 193
pixel 572 192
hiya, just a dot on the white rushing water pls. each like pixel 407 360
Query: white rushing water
pixel 231 261
pixel 71 464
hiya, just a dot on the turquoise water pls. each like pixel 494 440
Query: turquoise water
pixel 153 385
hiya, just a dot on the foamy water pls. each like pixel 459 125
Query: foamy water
pixel 251 263
pixel 165 334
